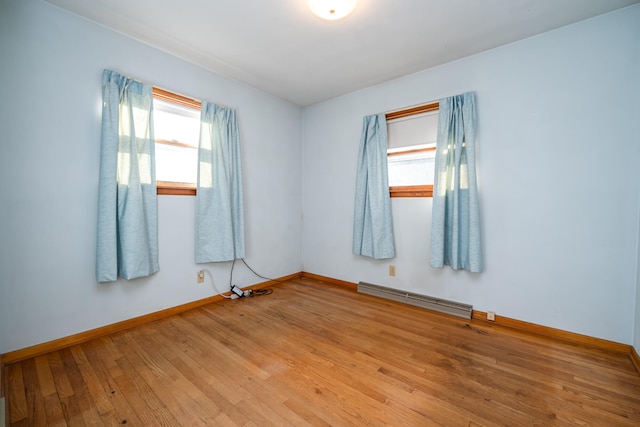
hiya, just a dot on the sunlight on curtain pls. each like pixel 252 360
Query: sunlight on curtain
pixel 219 205
pixel 455 228
pixel 127 244
pixel 372 225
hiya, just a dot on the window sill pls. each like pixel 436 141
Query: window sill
pixel 175 188
pixel 411 191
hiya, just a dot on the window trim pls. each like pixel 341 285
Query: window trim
pixel 175 143
pixel 411 151
pixel 176 98
pixel 175 188
pixel 168 187
pixel 412 190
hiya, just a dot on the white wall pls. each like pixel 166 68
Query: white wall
pixel 50 107
pixel 557 154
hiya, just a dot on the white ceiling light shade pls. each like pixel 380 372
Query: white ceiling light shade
pixel 332 9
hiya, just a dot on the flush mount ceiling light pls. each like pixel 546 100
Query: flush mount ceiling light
pixel 332 9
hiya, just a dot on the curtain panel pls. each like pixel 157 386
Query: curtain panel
pixel 372 224
pixel 127 241
pixel 455 228
pixel 219 205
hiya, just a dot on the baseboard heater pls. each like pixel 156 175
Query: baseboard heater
pixel 431 303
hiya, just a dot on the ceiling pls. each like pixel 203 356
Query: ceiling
pixel 280 47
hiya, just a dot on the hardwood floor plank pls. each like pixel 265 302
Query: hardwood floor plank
pixel 269 403
pixel 46 384
pixel 205 350
pixel 183 393
pixel 88 410
pixel 295 359
pixel 225 333
pixel 197 370
pixel 61 380
pixel 96 352
pixel 316 354
pixel 223 420
pixel 304 412
pixel 16 396
pixel 37 415
pixel 53 407
pixel 350 386
pixel 147 406
pixel 93 386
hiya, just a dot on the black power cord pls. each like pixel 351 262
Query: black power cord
pixel 260 292
pixel 250 293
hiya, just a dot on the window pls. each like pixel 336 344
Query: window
pixel 412 135
pixel 176 121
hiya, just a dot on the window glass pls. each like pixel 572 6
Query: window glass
pixel 417 129
pixel 411 153
pixel 413 167
pixel 177 130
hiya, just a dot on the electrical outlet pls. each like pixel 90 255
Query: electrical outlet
pixel 201 276
pixel 392 270
pixel 491 316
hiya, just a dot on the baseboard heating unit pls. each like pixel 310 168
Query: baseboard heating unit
pixel 431 303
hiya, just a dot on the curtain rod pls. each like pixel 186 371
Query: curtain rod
pixel 417 109
pixel 171 96
pixel 412 111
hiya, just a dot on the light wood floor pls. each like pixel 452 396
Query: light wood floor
pixel 317 354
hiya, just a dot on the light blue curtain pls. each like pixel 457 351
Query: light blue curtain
pixel 219 206
pixel 372 225
pixel 455 227
pixel 127 244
